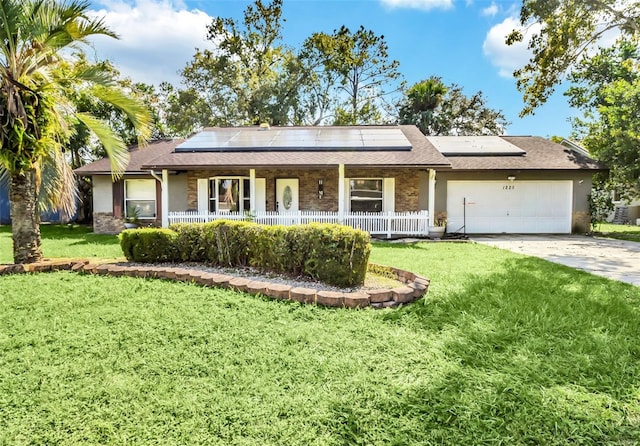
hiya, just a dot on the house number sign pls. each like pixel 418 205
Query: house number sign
pixel 508 187
pixel 287 197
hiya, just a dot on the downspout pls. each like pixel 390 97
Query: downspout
pixel 155 175
pixel 164 196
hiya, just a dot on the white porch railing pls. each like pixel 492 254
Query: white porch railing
pixel 386 223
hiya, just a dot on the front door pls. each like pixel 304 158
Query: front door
pixel 287 195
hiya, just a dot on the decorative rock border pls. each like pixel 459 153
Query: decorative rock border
pixel 414 287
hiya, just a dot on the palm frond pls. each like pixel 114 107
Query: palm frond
pixel 135 110
pixel 11 16
pixel 67 22
pixel 95 74
pixel 58 191
pixel 113 144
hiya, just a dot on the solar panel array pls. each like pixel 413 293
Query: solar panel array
pixel 320 139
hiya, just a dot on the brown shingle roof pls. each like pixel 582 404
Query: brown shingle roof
pixel 541 154
pixel 421 154
pixel 137 158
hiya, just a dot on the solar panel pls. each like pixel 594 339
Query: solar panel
pixel 284 139
pixel 474 146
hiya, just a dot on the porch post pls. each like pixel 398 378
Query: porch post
pixel 432 196
pixel 252 190
pixel 341 203
pixel 165 198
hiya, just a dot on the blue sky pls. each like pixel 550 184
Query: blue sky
pixel 461 41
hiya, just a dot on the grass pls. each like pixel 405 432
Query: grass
pixel 66 241
pixel 505 349
pixel 620 232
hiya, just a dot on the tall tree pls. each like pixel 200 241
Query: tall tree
pixel 606 88
pixel 420 104
pixel 437 109
pixel 358 62
pixel 248 78
pixel 464 115
pixel 569 28
pixel 37 78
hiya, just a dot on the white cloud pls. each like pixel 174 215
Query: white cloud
pixel 490 10
pixel 425 5
pixel 507 57
pixel 157 38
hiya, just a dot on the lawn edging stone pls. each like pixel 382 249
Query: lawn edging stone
pixel 413 286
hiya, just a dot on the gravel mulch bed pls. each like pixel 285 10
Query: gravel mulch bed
pixel 372 281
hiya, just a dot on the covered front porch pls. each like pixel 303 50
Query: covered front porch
pixel 382 201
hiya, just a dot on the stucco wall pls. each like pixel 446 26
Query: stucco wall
pixel 102 193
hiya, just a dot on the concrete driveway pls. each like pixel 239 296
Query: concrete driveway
pixel 615 259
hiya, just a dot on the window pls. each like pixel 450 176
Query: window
pixel 229 194
pixel 140 198
pixel 365 194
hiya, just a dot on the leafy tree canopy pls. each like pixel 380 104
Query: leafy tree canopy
pixel 358 69
pixel 569 29
pixel 250 76
pixel 606 88
pixel 437 109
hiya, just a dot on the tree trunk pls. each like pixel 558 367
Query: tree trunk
pixel 25 218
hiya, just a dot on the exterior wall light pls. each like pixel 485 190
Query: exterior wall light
pixel 511 178
pixel 320 188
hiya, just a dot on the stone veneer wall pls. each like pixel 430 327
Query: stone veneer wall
pixel 106 223
pixel 414 286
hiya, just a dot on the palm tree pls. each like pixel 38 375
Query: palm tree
pixel 38 77
pixel 421 101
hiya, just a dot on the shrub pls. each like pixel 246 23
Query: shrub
pixel 269 248
pixel 190 242
pixel 149 245
pixel 333 254
pixel 228 242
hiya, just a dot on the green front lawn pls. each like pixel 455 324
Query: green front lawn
pixel 621 232
pixel 505 349
pixel 66 241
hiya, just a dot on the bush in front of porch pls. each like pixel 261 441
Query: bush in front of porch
pixel 334 254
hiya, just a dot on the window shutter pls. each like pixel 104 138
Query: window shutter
pixel 158 199
pixel 118 198
pixel 203 196
pixel 389 195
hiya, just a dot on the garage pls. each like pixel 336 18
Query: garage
pixel 518 207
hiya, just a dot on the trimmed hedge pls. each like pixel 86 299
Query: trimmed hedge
pixel 149 245
pixel 333 254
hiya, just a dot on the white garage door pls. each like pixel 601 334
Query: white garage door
pixel 517 207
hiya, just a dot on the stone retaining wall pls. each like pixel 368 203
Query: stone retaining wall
pixel 414 286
